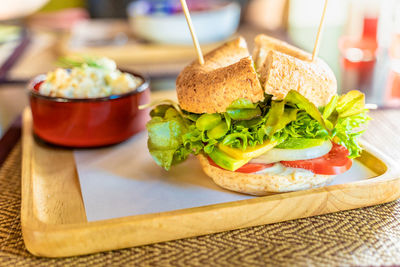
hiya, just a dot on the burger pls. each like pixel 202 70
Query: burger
pixel 270 122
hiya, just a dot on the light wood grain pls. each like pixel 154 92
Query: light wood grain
pixel 54 223
pixel 54 173
pixel 55 181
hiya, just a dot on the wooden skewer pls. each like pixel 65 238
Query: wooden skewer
pixel 320 30
pixel 192 32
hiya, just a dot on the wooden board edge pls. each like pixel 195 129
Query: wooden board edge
pixel 29 223
pixel 129 232
pixel 79 239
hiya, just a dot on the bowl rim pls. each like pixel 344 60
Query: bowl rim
pixel 226 5
pixel 38 78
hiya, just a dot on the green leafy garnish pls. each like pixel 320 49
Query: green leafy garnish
pixel 243 114
pixel 243 109
pixel 350 104
pixel 242 103
pixel 165 137
pixel 346 133
pixel 294 123
pixel 304 104
pixel 208 121
pixel 69 62
pixel 330 107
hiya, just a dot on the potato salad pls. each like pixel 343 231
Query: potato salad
pixel 99 78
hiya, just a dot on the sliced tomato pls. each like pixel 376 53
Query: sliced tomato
pixel 335 162
pixel 253 167
pixel 247 168
pixel 36 87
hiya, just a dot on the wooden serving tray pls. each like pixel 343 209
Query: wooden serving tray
pixel 54 222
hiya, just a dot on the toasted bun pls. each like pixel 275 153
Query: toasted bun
pixel 262 184
pixel 227 74
pixel 283 67
pixel 264 44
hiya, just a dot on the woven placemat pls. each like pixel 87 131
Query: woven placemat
pixel 368 236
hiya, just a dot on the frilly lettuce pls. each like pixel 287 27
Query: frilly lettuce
pixel 175 134
pixel 165 137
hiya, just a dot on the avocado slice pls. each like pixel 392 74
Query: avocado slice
pixel 225 161
pixel 300 143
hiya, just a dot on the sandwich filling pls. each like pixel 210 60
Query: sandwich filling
pixel 271 134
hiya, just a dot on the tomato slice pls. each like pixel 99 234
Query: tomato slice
pixel 335 162
pixel 36 87
pixel 247 168
pixel 254 167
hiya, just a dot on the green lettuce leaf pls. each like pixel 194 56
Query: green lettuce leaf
pixel 304 104
pixel 293 122
pixel 350 104
pixel 348 130
pixel 274 116
pixel 289 115
pixel 330 108
pixel 305 127
pixel 242 103
pixel 243 109
pixel 208 121
pixel 165 137
pixel 243 114
pixel 346 119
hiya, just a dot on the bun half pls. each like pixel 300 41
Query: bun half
pixel 227 74
pixel 283 67
pixel 262 184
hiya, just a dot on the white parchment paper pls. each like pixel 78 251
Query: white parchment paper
pixel 123 180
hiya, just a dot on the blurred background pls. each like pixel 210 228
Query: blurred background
pixel 361 41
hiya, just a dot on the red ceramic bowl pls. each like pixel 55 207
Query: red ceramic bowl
pixel 88 122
